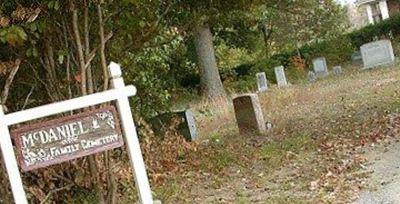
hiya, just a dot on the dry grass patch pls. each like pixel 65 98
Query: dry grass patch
pixel 310 156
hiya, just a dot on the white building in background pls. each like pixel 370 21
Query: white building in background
pixel 378 10
pixel 357 16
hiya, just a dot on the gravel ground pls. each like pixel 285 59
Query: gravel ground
pixel 384 183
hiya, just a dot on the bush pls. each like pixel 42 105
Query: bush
pixel 336 50
pixel 267 66
pixel 242 84
pixel 385 29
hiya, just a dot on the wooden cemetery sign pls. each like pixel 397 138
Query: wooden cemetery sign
pixel 66 138
pixel 63 139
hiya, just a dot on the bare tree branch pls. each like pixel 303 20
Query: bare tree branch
pixel 79 46
pixel 27 97
pixel 8 83
pixel 93 52
pixel 55 191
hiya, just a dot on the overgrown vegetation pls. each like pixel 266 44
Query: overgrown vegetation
pixel 389 28
pixel 336 48
pixel 313 155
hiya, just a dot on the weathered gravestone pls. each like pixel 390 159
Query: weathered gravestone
pixel 356 58
pixel 249 116
pixel 377 53
pixel 280 76
pixel 184 121
pixel 337 70
pixel 320 67
pixel 311 76
pixel 40 144
pixel 262 82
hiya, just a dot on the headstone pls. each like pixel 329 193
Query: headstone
pixel 320 67
pixel 280 76
pixel 356 58
pixel 249 114
pixel 337 70
pixel 184 121
pixel 262 82
pixel 311 76
pixel 377 53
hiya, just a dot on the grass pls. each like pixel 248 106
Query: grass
pixel 315 125
pixel 275 152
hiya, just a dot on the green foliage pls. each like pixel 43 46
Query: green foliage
pixel 13 35
pixel 336 50
pixel 150 71
pixel 53 5
pixel 276 151
pixel 296 23
pixel 82 195
pixel 214 12
pixel 386 29
pixel 241 84
pixel 267 66
pixel 231 57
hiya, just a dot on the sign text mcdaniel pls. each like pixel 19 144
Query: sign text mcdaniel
pixel 51 142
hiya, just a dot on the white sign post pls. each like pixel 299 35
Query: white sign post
pixel 120 93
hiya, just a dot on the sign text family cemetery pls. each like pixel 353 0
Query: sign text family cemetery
pixel 41 144
pixel 67 138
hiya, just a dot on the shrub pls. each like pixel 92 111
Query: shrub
pixel 336 50
pixel 388 28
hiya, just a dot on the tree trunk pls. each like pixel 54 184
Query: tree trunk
pixel 5 193
pixel 210 80
pixel 9 81
pixel 79 48
pixel 266 36
pixel 82 64
pixel 87 49
pixel 111 197
pixel 102 48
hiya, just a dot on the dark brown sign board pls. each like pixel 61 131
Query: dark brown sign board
pixel 66 138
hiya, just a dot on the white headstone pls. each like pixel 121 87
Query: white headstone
pixel 262 82
pixel 311 76
pixel 377 53
pixel 280 76
pixel 337 70
pixel 320 67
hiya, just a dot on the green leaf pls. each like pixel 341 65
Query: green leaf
pixel 56 5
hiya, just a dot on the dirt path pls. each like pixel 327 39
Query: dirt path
pixel 384 183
